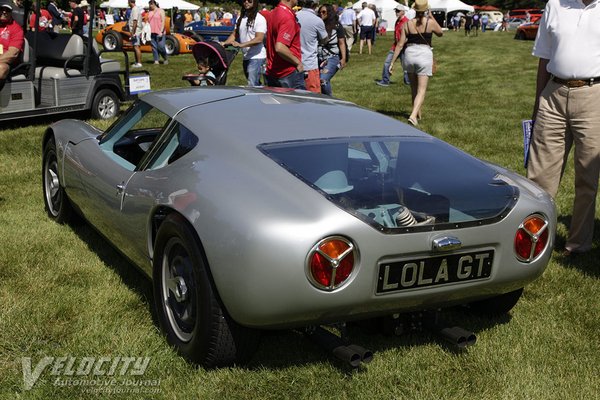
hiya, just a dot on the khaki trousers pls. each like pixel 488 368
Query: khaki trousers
pixel 569 117
pixel 349 33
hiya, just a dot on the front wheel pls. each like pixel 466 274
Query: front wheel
pixel 497 305
pixel 112 41
pixel 171 45
pixel 105 104
pixel 189 312
pixel 55 199
pixel 520 35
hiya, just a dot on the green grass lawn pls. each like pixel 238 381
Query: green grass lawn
pixel 65 292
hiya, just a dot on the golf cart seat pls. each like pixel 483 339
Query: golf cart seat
pixel 19 72
pixel 106 65
pixel 58 56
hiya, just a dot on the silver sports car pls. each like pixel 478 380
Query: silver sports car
pixel 257 209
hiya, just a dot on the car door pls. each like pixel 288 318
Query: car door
pixel 111 162
pixel 158 181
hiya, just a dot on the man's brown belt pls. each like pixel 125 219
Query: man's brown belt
pixel 575 83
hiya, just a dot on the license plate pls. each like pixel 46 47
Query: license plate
pixel 434 271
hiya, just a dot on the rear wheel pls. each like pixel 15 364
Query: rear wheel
pixel 197 37
pixel 189 311
pixel 112 41
pixel 497 305
pixel 520 35
pixel 171 45
pixel 55 199
pixel 105 104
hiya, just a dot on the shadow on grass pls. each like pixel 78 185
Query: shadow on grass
pixel 24 122
pixel 398 114
pixel 587 263
pixel 131 276
pixel 290 348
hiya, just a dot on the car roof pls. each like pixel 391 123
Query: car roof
pixel 265 115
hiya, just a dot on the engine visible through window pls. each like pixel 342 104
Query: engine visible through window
pixel 399 184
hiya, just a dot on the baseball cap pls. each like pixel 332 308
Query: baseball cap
pixel 6 4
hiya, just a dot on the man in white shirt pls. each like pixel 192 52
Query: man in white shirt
pixel 135 28
pixel 567 109
pixel 366 20
pixel 348 21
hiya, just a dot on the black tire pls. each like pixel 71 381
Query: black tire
pixel 189 311
pixel 520 35
pixel 56 202
pixel 112 41
pixel 171 45
pixel 498 305
pixel 105 104
pixel 197 38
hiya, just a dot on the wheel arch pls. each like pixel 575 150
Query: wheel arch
pixel 48 136
pixel 159 215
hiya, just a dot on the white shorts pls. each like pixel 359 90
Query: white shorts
pixel 418 59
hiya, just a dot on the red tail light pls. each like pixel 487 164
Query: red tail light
pixel 531 238
pixel 331 262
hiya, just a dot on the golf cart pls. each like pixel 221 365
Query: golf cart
pixel 63 72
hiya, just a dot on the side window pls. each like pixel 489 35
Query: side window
pixel 177 143
pixel 131 137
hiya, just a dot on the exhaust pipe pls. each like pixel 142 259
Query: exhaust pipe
pixel 352 355
pixel 470 338
pixel 456 335
pixel 366 356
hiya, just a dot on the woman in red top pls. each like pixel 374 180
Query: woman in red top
pixel 45 19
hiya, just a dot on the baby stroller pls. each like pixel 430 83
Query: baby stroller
pixel 219 59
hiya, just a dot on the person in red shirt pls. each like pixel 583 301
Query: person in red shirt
pixel 11 40
pixel 284 56
pixel 45 19
pixel 400 21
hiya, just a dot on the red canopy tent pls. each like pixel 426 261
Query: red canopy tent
pixel 486 8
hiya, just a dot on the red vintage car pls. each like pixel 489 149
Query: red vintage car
pixel 527 31
pixel 534 14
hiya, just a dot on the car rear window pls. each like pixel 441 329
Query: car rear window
pixel 399 184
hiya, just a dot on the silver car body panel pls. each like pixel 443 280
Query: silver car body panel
pixel 257 222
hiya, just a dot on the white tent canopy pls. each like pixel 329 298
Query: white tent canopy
pixel 165 4
pixel 387 10
pixel 441 8
pixel 448 6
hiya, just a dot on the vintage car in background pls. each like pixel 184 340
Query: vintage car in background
pixel 201 31
pixel 115 38
pixel 527 31
pixel 323 212
pixel 534 14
